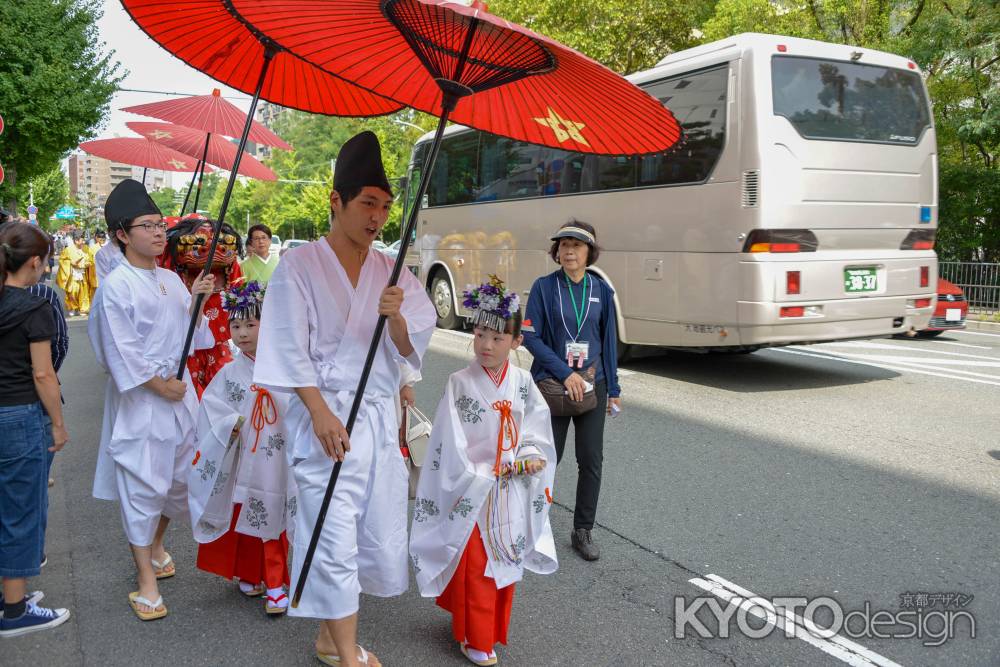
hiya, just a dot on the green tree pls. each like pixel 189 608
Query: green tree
pixel 55 84
pixel 166 200
pixel 625 36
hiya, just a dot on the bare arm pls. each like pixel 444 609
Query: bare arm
pixel 47 386
pixel 329 430
pixel 389 305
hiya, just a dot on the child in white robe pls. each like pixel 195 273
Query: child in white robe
pixel 137 324
pixel 238 479
pixel 481 516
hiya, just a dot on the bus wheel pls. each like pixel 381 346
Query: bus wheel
pixel 624 352
pixel 444 302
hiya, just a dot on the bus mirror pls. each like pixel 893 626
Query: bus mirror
pixel 425 202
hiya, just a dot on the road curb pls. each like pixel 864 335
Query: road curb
pixel 977 325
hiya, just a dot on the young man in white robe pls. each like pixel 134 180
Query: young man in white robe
pixel 140 317
pixel 238 480
pixel 320 313
pixel 481 515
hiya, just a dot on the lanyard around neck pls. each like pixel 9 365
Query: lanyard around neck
pixel 582 312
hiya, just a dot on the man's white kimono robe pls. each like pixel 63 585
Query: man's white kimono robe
pixel 137 325
pixel 459 489
pixel 315 332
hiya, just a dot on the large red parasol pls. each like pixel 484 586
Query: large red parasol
pixel 506 79
pixel 140 152
pixel 221 153
pixel 458 62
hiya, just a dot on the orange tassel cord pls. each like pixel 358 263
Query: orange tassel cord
pixel 264 413
pixel 508 432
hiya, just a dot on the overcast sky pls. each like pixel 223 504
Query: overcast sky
pixel 150 67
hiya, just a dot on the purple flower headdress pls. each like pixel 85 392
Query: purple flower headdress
pixel 243 301
pixel 491 303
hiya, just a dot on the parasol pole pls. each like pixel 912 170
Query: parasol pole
pixel 201 172
pixel 194 177
pixel 269 52
pixel 197 168
pixel 452 92
pixel 144 170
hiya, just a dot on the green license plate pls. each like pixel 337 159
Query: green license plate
pixel 864 279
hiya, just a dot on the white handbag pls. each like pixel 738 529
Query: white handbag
pixel 415 436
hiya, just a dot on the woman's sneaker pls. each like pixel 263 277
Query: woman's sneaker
pixel 33 619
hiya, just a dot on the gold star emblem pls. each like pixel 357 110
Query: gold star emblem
pixel 564 129
pixel 160 134
pixel 177 164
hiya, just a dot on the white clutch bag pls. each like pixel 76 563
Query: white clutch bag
pixel 415 436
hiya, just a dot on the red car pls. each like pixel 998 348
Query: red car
pixel 950 311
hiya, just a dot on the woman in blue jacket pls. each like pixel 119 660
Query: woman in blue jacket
pixel 570 330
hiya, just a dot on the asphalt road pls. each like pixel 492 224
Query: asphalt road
pixel 858 471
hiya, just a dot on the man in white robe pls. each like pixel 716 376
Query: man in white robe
pixel 320 312
pixel 106 259
pixel 139 319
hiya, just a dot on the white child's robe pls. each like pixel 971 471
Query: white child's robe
pixel 315 332
pixel 257 457
pixel 137 325
pixel 458 487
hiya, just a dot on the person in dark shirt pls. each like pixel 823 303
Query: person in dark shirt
pixel 570 330
pixel 28 391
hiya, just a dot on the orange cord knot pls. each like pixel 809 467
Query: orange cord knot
pixel 264 413
pixel 508 432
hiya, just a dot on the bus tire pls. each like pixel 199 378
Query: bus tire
pixel 442 295
pixel 624 351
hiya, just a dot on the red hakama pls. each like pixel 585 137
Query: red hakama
pixel 246 558
pixel 480 612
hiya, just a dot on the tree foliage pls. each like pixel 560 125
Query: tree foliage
pixel 55 84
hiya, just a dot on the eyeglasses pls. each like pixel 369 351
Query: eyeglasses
pixel 151 226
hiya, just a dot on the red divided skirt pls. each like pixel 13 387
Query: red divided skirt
pixel 480 613
pixel 246 558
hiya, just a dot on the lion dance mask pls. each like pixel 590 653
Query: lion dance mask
pixel 188 242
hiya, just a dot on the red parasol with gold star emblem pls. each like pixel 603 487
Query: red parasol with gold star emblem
pixel 140 152
pixel 221 153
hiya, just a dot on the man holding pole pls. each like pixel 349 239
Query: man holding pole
pixel 322 306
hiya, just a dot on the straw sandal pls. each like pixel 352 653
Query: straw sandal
pixel 491 658
pixel 160 568
pixel 334 660
pixel 159 609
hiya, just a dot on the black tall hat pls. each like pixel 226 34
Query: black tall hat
pixel 359 164
pixel 128 201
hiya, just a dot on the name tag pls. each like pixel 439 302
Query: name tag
pixel 594 299
pixel 577 353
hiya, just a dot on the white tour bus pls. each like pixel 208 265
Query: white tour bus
pixel 800 206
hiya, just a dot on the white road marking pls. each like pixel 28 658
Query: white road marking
pixel 907 369
pixel 900 348
pixel 975 333
pixel 938 341
pixel 839 647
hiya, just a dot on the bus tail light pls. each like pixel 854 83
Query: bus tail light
pixel 919 239
pixel 793 311
pixel 925 276
pixel 780 240
pixel 793 282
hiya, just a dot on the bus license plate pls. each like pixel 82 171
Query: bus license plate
pixel 863 279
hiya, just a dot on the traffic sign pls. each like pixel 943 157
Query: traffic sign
pixel 32 209
pixel 66 213
pixel 1 174
pixel 1 125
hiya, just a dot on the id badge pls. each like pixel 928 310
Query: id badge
pixel 577 353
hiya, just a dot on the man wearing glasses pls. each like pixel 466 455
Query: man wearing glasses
pixel 139 316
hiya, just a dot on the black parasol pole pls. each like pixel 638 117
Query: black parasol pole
pixel 144 170
pixel 194 177
pixel 269 53
pixel 452 93
pixel 201 171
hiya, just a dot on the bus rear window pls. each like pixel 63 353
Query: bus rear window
pixel 845 101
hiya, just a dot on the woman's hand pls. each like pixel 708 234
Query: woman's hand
pixel 60 436
pixel 331 433
pixel 576 386
pixel 614 406
pixel 407 396
pixel 531 466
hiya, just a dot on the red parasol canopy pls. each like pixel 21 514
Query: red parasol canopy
pixel 205 35
pixel 140 152
pixel 191 142
pixel 209 113
pixel 512 81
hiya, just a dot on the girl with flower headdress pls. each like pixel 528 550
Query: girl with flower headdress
pixel 238 481
pixel 481 513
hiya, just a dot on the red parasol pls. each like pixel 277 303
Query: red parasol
pixel 209 113
pixel 455 61
pixel 191 142
pixel 140 152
